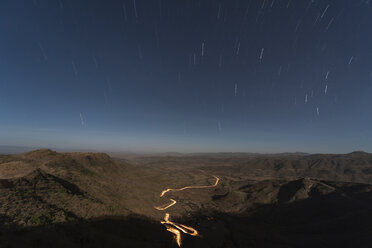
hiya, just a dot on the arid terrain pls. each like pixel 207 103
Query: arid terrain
pixel 51 199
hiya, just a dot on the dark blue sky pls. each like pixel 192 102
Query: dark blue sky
pixel 188 76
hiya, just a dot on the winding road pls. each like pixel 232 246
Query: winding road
pixel 176 228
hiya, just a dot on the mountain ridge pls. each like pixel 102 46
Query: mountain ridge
pixel 63 191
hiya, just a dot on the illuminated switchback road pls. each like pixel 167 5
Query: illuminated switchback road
pixel 176 228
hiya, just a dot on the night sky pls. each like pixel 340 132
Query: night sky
pixel 187 76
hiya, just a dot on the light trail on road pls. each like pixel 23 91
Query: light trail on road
pixel 191 187
pixel 168 206
pixel 176 228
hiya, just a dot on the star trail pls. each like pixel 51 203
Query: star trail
pixel 187 76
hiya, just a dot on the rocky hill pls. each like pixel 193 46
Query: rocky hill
pixel 92 200
pixel 40 198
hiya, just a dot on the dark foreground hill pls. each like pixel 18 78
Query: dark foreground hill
pixel 50 199
pixel 339 216
pixel 132 231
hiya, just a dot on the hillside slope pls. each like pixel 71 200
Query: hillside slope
pixel 92 200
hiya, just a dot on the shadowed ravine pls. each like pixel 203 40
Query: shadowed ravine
pixel 176 228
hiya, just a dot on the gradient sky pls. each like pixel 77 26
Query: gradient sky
pixel 187 76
